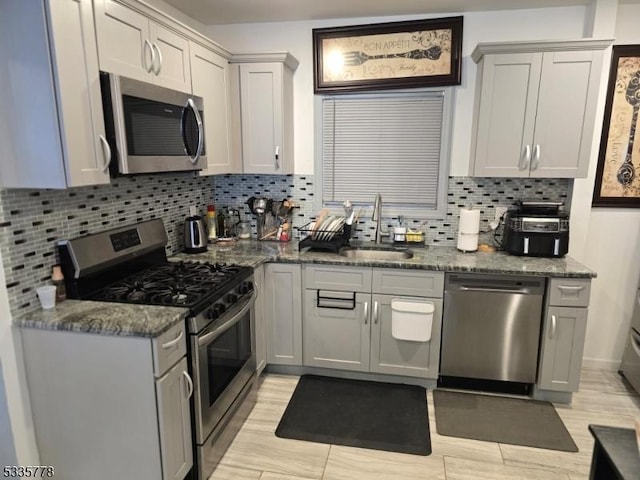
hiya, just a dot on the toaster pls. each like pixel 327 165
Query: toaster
pixel 536 229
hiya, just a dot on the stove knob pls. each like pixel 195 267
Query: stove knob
pixel 245 287
pixel 231 298
pixel 215 311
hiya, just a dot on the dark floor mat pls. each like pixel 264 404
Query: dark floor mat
pixel 514 421
pixel 380 416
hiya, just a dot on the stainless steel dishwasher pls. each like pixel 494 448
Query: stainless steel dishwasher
pixel 491 327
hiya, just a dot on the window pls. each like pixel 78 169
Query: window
pixel 395 144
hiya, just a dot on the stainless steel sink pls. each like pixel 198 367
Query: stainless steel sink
pixel 375 253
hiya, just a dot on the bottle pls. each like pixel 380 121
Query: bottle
pixel 221 224
pixel 58 281
pixel 212 224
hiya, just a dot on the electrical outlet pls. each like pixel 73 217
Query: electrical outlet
pixel 499 212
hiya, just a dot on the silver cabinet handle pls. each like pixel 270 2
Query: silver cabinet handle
pixel 525 158
pixel 155 48
pixel 106 151
pixel 189 384
pixel 147 45
pixel 536 157
pixel 366 313
pixel 277 157
pixel 571 288
pixel 375 312
pixel 192 106
pixel 553 327
pixel 173 342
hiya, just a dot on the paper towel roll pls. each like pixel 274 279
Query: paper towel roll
pixel 467 242
pixel 469 221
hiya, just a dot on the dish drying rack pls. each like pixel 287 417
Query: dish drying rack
pixel 328 240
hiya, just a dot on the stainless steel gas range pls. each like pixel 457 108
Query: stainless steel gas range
pixel 129 265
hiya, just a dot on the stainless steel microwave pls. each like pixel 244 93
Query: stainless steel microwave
pixel 151 128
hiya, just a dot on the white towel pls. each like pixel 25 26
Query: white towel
pixel 411 320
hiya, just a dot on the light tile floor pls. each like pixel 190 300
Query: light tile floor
pixel 257 454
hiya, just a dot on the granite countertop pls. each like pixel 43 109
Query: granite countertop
pixel 254 253
pixel 105 318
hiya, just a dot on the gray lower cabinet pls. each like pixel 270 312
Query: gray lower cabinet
pixel 283 310
pixel 562 347
pixel 350 327
pixel 108 407
pixel 260 320
pixel 563 334
pixel 398 357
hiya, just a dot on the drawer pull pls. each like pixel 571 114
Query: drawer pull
pixel 173 342
pixel 571 288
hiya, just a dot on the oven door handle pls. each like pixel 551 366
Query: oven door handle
pixel 207 337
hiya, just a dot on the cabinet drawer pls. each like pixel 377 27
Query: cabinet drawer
pixel 569 292
pixel 331 277
pixel 420 283
pixel 168 348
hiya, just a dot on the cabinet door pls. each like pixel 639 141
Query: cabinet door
pixel 171 66
pixel 401 357
pixel 262 116
pixel 260 327
pixel 174 420
pixel 210 80
pixel 562 346
pixel 123 41
pixel 336 332
pixel 283 309
pixel 566 114
pixel 78 92
pixel 506 114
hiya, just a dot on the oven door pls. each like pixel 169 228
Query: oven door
pixel 223 362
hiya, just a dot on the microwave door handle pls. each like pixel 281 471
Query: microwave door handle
pixel 106 151
pixel 192 106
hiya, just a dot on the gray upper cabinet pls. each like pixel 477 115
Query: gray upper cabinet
pixel 535 107
pixel 265 110
pixel 210 80
pixel 135 46
pixel 283 310
pixel 55 136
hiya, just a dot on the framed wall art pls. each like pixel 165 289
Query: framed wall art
pixel 618 174
pixel 419 53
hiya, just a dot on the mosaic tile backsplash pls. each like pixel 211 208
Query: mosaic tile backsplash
pixel 482 193
pixel 32 221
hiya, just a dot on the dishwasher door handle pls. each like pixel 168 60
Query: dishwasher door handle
pixel 495 290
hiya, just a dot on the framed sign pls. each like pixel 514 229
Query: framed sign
pixel 420 53
pixel 618 174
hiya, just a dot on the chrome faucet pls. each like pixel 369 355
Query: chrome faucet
pixel 377 217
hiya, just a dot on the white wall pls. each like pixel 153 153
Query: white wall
pixel 612 248
pixel 295 37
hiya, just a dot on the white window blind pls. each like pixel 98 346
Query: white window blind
pixel 386 143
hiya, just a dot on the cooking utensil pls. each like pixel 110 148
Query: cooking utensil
pixel 260 205
pixel 251 202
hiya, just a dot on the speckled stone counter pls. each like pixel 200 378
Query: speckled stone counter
pixel 105 318
pixel 253 253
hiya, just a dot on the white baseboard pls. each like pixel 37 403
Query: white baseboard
pixel 600 364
